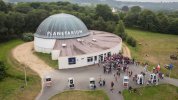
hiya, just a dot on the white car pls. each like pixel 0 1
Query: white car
pixel 71 82
pixel 48 81
pixel 140 79
pixel 154 78
pixel 92 83
pixel 126 81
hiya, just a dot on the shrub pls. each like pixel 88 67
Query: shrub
pixel 123 36
pixel 2 71
pixel 28 37
pixel 131 41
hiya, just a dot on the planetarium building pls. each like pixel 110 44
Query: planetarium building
pixel 68 40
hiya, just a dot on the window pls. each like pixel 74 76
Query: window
pixel 71 81
pixel 109 54
pixel 101 58
pixel 105 55
pixel 95 58
pixel 48 79
pixel 72 60
pixel 89 59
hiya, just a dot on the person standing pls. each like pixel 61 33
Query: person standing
pixel 104 82
pixel 145 68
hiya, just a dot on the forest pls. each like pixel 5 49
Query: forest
pixel 20 18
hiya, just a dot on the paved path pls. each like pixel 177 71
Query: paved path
pixel 171 81
pixel 23 53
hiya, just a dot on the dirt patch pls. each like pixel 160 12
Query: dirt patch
pixel 126 51
pixel 24 54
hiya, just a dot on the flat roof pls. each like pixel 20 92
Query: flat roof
pixel 104 41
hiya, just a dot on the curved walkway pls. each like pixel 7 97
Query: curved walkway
pixel 23 53
pixel 126 51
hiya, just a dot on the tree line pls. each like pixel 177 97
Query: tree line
pixel 16 19
pixel 163 22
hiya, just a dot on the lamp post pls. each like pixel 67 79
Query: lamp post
pixel 25 75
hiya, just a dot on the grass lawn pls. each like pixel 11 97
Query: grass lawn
pixel 10 87
pixel 160 92
pixel 157 46
pixel 47 58
pixel 81 95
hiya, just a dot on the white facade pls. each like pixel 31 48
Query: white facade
pixel 82 60
pixel 47 46
pixel 44 45
pixel 55 54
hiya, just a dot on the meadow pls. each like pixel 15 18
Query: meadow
pixel 155 48
pixel 81 95
pixel 159 92
pixel 13 86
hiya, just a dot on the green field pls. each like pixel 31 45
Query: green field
pixel 160 92
pixel 11 86
pixel 81 95
pixel 158 48
pixel 47 58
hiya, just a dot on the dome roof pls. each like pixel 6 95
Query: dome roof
pixel 61 26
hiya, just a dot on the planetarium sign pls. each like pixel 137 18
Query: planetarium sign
pixel 65 33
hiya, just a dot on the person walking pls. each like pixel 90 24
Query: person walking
pixel 115 76
pixel 112 86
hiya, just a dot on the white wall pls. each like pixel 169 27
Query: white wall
pixel 81 60
pixel 43 45
pixel 55 54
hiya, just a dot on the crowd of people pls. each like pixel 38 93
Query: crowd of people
pixel 117 64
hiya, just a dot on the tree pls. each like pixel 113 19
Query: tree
pixel 120 30
pixel 163 23
pixel 15 23
pixel 110 26
pixel 172 28
pixel 63 3
pixel 87 20
pixel 3 6
pixel 122 15
pixel 34 18
pixel 3 28
pixel 125 8
pixel 148 20
pixel 104 11
pixel 98 24
pixel 131 19
pixel 2 71
pixel 23 8
pixel 135 9
pixel 35 5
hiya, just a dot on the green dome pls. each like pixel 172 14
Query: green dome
pixel 61 26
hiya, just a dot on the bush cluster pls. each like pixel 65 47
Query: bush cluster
pixel 131 41
pixel 28 37
pixel 2 71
